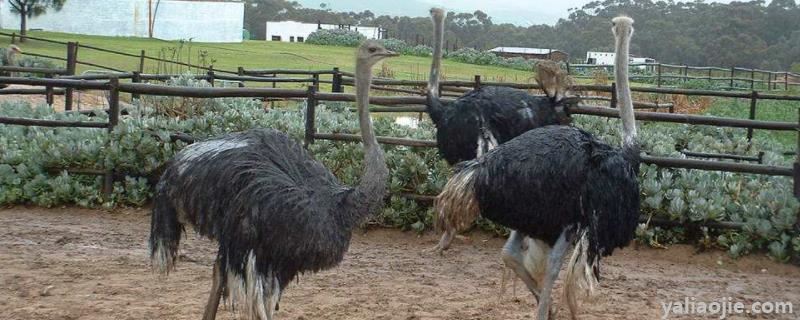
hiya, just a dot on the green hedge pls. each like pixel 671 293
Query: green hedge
pixel 765 205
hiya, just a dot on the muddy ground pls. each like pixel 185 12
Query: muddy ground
pixel 90 264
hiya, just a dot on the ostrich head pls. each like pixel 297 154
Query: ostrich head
pixel 11 53
pixel 622 27
pixel 371 52
pixel 554 81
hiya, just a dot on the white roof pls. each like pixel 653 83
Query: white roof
pixel 523 50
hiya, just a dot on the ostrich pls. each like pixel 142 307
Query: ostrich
pixel 562 188
pixel 9 59
pixel 274 210
pixel 486 117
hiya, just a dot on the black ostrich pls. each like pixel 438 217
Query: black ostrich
pixel 483 118
pixel 274 210
pixel 562 188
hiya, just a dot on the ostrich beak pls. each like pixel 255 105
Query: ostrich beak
pixel 390 53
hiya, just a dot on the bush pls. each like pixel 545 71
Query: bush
pixel 472 56
pixel 336 37
pixel 764 204
pixel 402 47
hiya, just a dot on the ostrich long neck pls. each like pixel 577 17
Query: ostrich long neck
pixel 624 90
pixel 373 180
pixel 436 63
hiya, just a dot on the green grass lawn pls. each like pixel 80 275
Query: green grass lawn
pixel 770 110
pixel 251 55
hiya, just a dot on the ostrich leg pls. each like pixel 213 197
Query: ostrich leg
pixel 512 257
pixel 554 262
pixel 444 242
pixel 216 292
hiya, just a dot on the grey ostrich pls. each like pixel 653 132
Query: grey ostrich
pixel 273 209
pixel 562 188
pixel 9 59
pixel 485 117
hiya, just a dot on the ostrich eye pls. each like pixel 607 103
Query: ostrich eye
pixel 372 50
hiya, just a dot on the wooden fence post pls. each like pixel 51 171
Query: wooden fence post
pixel 113 120
pixel 658 75
pixel 311 107
pixel 733 73
pixel 709 75
pixel 569 72
pixel 337 80
pixel 72 58
pixel 137 78
pixel 477 84
pixel 786 81
pixel 13 38
pixel 240 72
pixel 797 161
pixel 685 73
pixel 753 102
pixel 613 95
pixel 752 79
pixel 210 75
pixel 49 91
pixel 316 81
pixel 141 62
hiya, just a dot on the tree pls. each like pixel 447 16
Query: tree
pixel 32 8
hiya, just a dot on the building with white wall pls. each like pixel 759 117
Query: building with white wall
pixel 293 31
pixel 607 58
pixel 200 21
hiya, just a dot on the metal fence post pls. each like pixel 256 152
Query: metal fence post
pixel 311 107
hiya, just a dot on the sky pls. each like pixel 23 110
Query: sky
pixel 519 12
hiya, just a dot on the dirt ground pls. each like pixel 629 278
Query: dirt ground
pixel 82 100
pixel 90 264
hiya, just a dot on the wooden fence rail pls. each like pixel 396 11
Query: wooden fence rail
pixel 313 96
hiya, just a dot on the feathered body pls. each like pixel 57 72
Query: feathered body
pixel 274 210
pixel 568 175
pixel 259 189
pixel 559 187
pixel 486 117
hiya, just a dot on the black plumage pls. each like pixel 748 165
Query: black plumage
pixel 559 187
pixel 559 177
pixel 274 210
pixel 486 117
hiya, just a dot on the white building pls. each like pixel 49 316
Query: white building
pixel 607 59
pixel 293 31
pixel 201 21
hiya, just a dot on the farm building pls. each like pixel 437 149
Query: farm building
pixel 201 21
pixel 607 58
pixel 531 53
pixel 293 31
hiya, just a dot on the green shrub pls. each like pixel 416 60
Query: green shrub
pixel 764 204
pixel 473 56
pixel 336 37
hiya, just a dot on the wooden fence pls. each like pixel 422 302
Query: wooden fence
pixel 395 103
pixel 661 72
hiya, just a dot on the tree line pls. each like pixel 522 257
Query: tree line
pixel 743 34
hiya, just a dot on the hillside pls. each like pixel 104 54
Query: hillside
pixel 249 54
